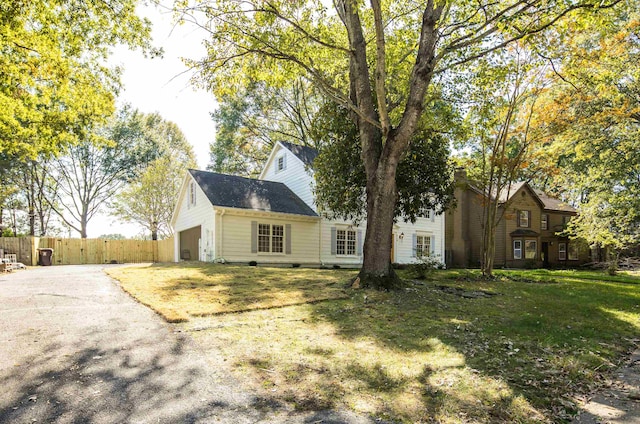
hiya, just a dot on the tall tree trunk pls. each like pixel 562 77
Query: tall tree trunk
pixel 14 221
pixel 382 143
pixel 382 196
pixel 43 223
pixel 489 239
pixel 32 221
pixel 83 223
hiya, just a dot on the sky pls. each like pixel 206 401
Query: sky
pixel 163 85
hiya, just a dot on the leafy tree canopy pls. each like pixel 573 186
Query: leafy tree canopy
pixel 597 105
pixel 54 84
pixel 150 197
pixel 383 61
pixel 423 174
pixel 250 121
pixel 92 171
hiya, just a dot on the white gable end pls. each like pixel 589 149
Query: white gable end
pixel 285 167
pixel 194 210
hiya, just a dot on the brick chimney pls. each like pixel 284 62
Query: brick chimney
pixel 460 175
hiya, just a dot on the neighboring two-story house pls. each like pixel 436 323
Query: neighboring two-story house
pixel 274 219
pixel 527 234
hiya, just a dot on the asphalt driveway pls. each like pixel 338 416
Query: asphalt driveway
pixel 75 348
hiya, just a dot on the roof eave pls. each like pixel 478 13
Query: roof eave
pixel 247 211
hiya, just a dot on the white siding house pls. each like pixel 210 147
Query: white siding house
pixel 274 219
pixel 193 224
pixel 285 167
pixel 227 218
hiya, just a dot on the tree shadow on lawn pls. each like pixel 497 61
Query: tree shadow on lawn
pixel 112 385
pixel 227 288
pixel 524 352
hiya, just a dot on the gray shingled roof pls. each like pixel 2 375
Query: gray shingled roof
pixel 304 153
pixel 548 203
pixel 553 204
pixel 246 193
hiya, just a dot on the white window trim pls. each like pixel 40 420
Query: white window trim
pixel 284 163
pixel 271 252
pixel 519 249
pixel 347 232
pixel 431 251
pixel 562 251
pixel 544 221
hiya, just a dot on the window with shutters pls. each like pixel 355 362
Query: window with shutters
pixel 423 246
pixel 264 237
pixel 524 219
pixel 346 242
pixel 270 238
pixel 277 238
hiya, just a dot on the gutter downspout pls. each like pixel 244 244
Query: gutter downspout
pixel 221 255
pixel 320 242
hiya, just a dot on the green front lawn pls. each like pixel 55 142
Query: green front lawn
pixel 181 292
pixel 449 349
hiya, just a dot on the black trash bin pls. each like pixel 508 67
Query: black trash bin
pixel 44 256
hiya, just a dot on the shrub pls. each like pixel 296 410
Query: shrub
pixel 425 266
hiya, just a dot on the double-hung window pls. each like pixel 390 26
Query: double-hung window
pixel 270 238
pixel 423 246
pixel 524 219
pixel 517 249
pixel 544 221
pixel 525 249
pixel 345 242
pixel 562 251
pixel 530 249
pixel 281 163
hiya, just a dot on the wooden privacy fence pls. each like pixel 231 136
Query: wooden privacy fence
pixel 89 251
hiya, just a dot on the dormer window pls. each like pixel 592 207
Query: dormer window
pixel 281 163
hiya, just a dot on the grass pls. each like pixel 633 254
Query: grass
pixel 423 354
pixel 178 293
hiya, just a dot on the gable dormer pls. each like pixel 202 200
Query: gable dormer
pixel 290 164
